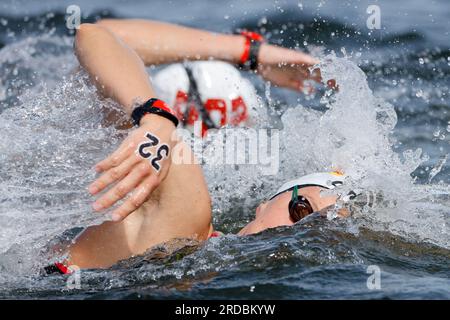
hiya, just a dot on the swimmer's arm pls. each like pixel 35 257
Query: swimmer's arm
pixel 119 74
pixel 159 43
pixel 146 218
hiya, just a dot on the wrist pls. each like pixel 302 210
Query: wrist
pixel 249 59
pixel 156 107
pixel 231 48
pixel 154 119
pixel 271 54
pixel 264 53
pixel 263 56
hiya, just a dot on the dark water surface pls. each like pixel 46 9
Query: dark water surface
pixel 407 63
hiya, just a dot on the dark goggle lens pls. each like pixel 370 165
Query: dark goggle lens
pixel 299 208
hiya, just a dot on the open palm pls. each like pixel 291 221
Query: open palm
pixel 288 68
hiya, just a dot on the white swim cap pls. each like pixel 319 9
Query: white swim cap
pixel 327 180
pixel 211 91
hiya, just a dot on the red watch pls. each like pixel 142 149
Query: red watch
pixel 154 106
pixel 249 57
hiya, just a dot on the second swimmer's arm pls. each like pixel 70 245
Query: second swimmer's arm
pixel 158 43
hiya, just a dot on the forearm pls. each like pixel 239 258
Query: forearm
pixel 157 42
pixel 116 70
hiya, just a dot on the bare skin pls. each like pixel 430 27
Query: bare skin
pixel 144 42
pixel 175 210
pixel 174 202
pixel 275 213
pixel 148 216
pixel 157 42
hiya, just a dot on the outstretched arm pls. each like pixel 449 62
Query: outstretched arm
pixel 119 74
pixel 178 208
pixel 158 42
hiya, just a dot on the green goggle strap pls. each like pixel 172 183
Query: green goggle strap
pixel 294 193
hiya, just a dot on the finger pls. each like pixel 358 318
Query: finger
pixel 332 84
pixel 316 75
pixel 116 158
pixel 306 59
pixel 141 194
pixel 122 188
pixel 296 85
pixel 112 175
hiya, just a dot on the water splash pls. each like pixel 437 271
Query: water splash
pixel 53 132
pixel 354 134
pixel 437 168
pixel 49 142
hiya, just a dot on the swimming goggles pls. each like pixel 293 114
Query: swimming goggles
pixel 299 207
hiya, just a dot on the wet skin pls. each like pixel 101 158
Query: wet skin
pixel 274 213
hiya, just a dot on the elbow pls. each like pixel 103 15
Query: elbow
pixel 84 36
pixel 83 33
pixel 85 30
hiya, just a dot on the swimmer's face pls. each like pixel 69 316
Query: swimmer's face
pixel 275 213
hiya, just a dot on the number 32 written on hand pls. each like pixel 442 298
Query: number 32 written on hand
pixel 162 152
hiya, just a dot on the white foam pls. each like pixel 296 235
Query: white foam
pixel 52 139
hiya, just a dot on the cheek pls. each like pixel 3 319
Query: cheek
pixel 265 219
pixel 260 209
pixel 273 220
pixel 276 221
pixel 258 212
pixel 326 201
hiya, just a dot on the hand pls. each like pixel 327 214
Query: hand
pixel 288 68
pixel 138 166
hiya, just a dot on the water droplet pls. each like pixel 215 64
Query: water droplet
pixel 437 133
